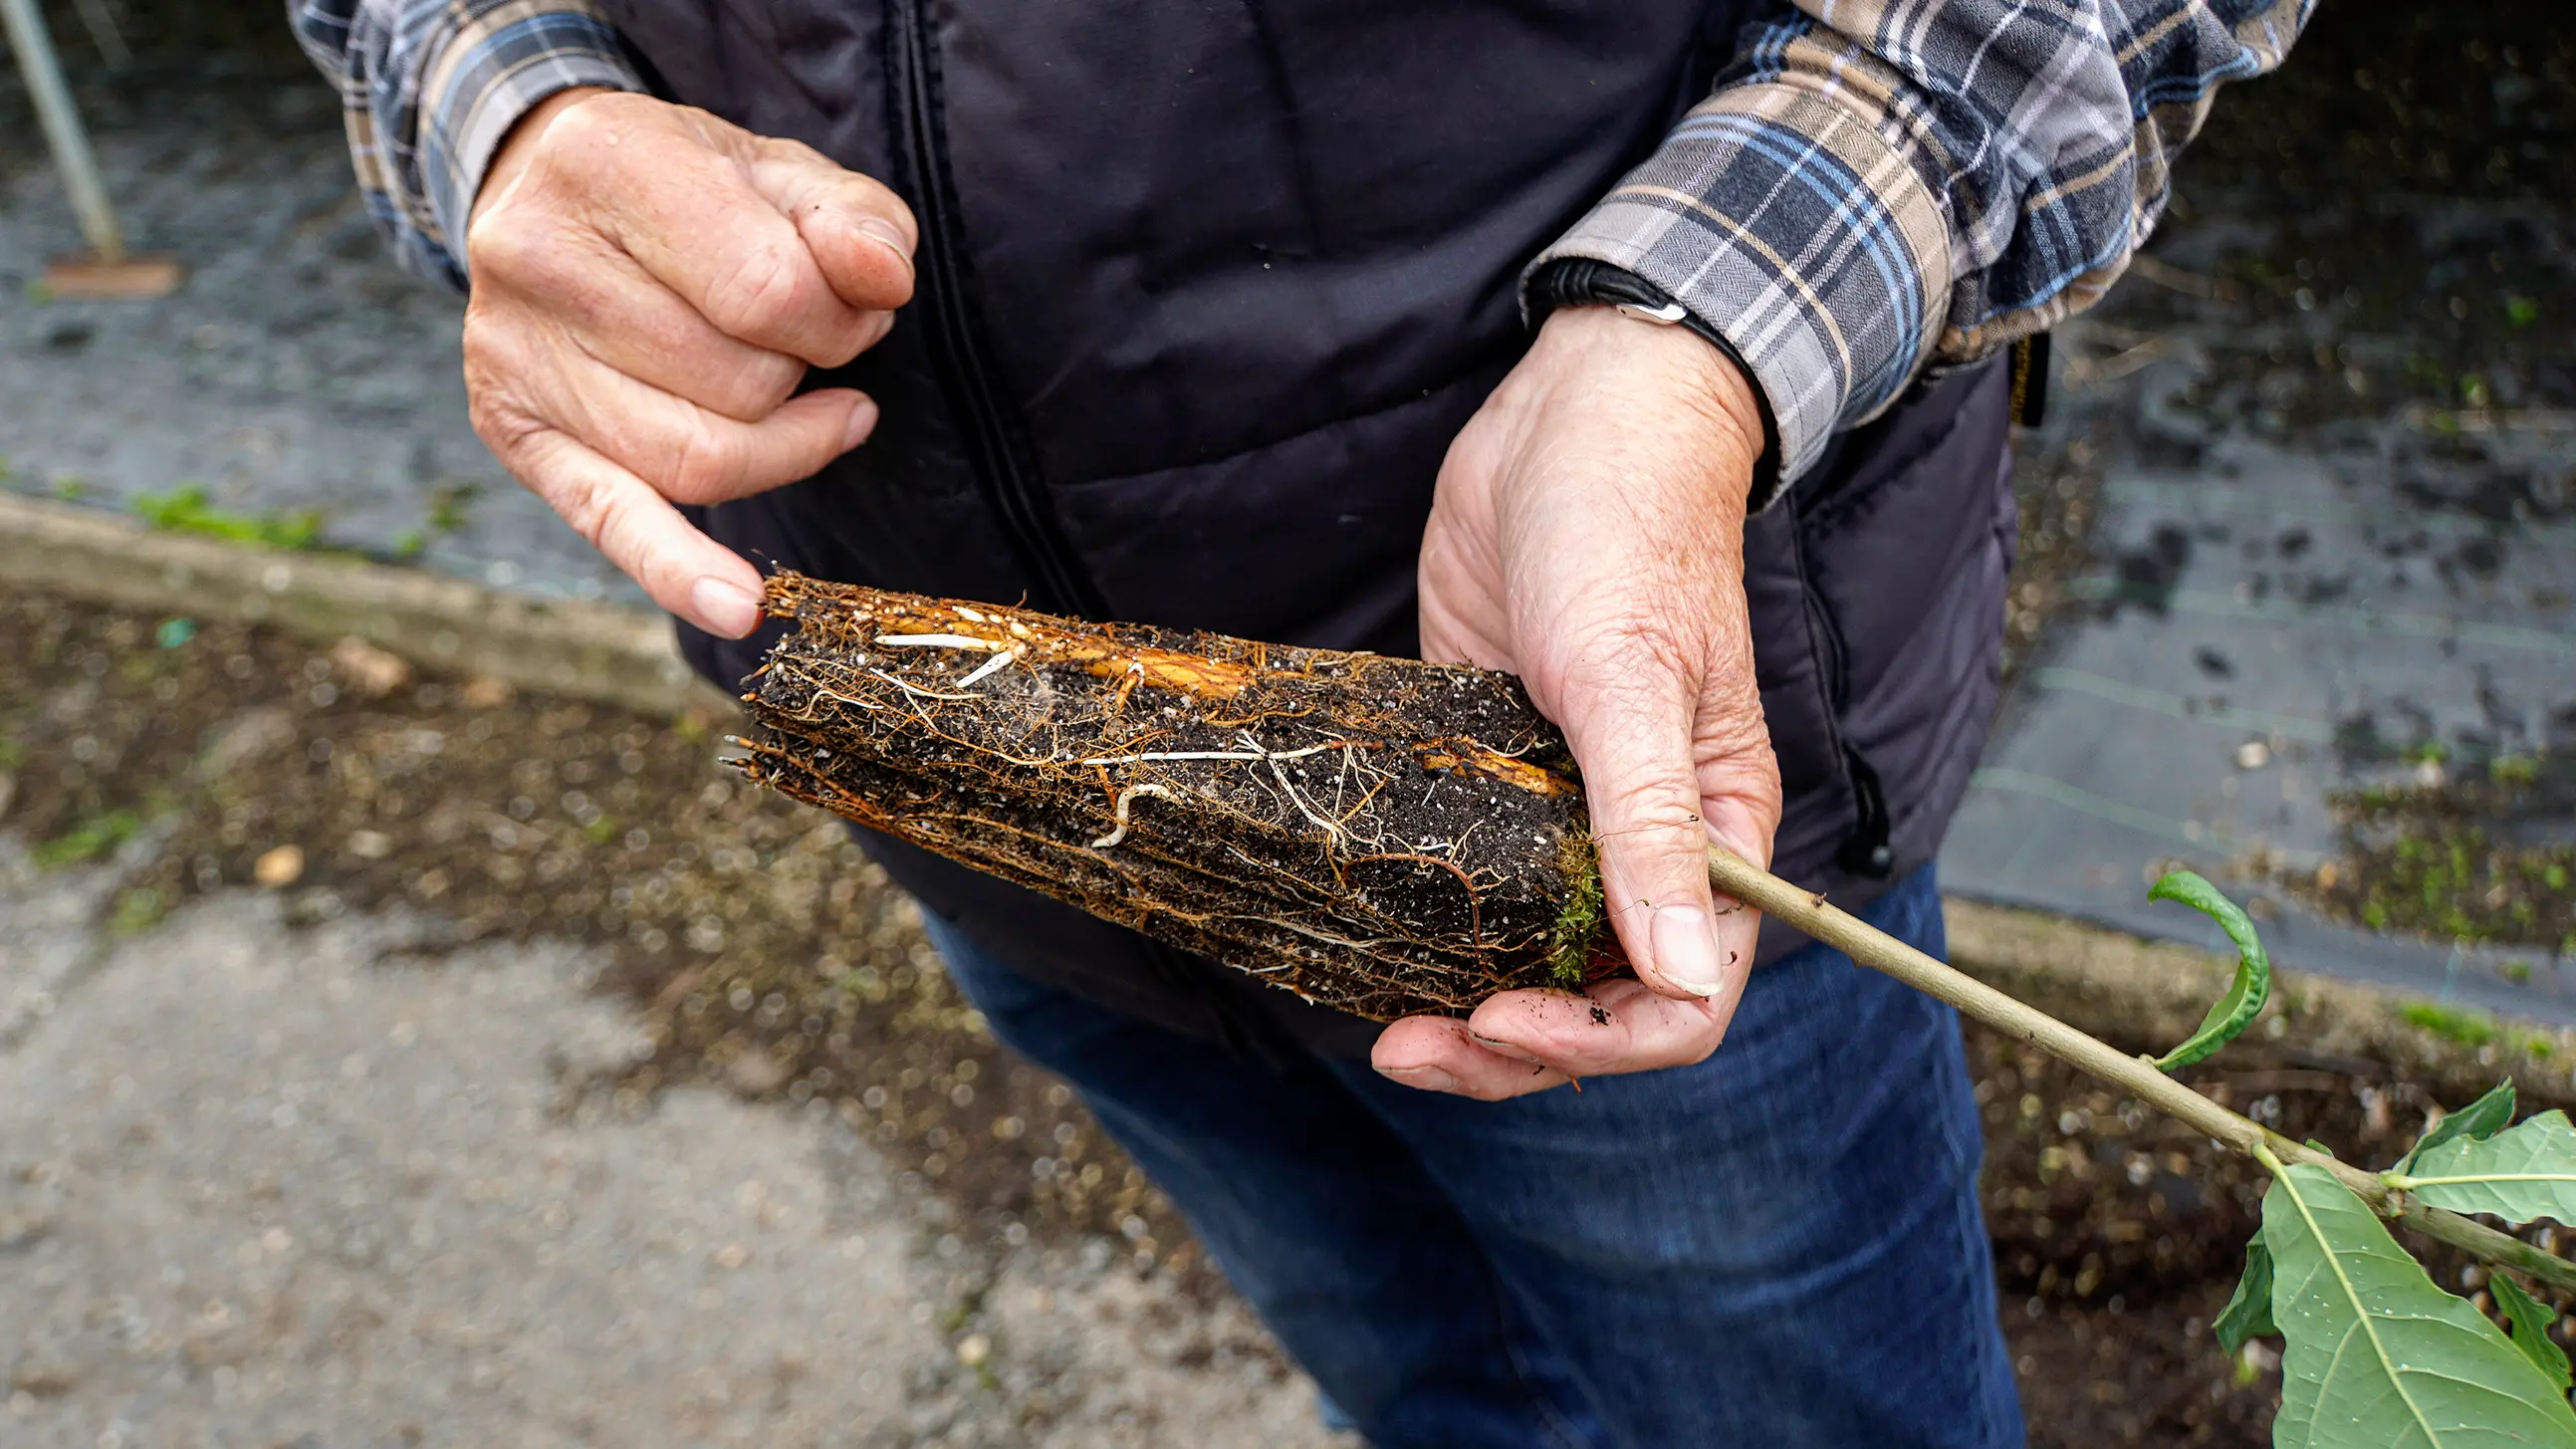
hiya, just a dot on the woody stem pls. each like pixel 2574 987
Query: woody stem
pixel 2136 1075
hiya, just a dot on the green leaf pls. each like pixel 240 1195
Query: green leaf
pixel 2519 1174
pixel 2245 995
pixel 2248 1313
pixel 2374 1356
pixel 2531 1329
pixel 2484 1117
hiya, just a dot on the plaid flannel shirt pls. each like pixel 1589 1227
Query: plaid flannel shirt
pixel 1873 187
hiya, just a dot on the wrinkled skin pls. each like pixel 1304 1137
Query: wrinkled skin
pixel 1588 535
pixel 650 285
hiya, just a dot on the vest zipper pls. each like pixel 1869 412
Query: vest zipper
pixel 1867 851
pixel 996 441
pixel 997 445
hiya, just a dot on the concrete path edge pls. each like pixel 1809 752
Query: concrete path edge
pixel 592 651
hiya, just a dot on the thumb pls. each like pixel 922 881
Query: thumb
pixel 860 233
pixel 1636 749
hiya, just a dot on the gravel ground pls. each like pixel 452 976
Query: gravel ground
pixel 265 1186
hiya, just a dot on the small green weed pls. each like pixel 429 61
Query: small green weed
pixel 88 840
pixel 2468 1028
pixel 136 911
pixel 185 510
pixel 448 503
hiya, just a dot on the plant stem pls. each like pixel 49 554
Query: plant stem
pixel 2137 1075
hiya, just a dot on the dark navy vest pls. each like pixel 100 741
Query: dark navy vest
pixel 1207 287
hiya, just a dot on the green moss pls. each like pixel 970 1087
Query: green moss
pixel 185 510
pixel 448 503
pixel 136 911
pixel 2459 859
pixel 2468 1028
pixel 1579 926
pixel 88 840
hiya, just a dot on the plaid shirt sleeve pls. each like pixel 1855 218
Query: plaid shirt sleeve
pixel 1879 186
pixel 429 87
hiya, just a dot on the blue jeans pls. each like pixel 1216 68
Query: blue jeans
pixel 1778 1247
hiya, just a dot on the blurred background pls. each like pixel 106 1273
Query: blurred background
pixel 392 1053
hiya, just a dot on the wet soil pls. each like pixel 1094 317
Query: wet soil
pixel 769 958
pixel 2486 858
pixel 1175 782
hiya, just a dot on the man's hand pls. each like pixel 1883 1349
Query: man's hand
pixel 650 284
pixel 1588 535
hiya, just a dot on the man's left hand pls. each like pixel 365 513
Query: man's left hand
pixel 1587 534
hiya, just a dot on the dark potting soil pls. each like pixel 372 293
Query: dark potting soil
pixel 769 959
pixel 1380 835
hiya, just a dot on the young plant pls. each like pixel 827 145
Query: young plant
pixel 1390 837
pixel 2374 1354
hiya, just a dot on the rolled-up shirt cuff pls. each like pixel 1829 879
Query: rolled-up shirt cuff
pixel 491 70
pixel 1789 225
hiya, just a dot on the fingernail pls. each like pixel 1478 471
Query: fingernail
pixel 726 608
pixel 1505 1049
pixel 888 233
pixel 863 421
pixel 1686 950
pixel 1429 1079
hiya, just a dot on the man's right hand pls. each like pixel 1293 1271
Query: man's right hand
pixel 649 286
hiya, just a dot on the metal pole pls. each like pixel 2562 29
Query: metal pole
pixel 63 129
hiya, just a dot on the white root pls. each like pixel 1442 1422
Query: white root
pixel 1255 756
pixel 987 669
pixel 941 641
pixel 917 691
pixel 1127 797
